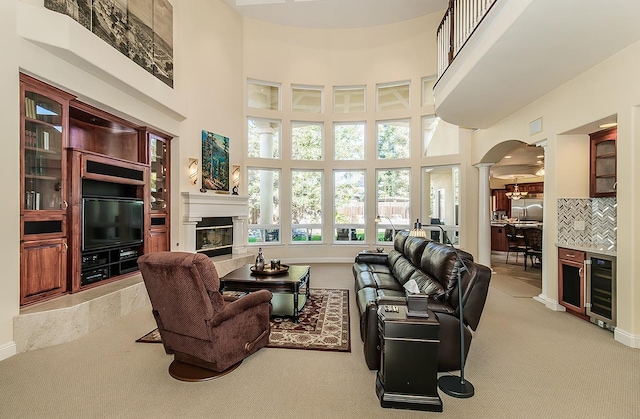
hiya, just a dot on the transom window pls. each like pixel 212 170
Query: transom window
pixel 306 99
pixel 393 96
pixel 427 91
pixel 349 99
pixel 263 95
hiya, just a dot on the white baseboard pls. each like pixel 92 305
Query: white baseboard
pixel 7 350
pixel 549 303
pixel 626 338
pixel 302 261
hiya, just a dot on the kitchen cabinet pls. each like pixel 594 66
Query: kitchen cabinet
pixel 532 188
pixel 571 281
pixel 602 180
pixel 499 241
pixel 501 201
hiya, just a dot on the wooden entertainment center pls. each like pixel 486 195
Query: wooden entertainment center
pixel 75 157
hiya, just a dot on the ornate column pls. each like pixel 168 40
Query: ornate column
pixel 484 215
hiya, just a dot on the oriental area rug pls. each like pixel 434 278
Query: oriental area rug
pixel 323 325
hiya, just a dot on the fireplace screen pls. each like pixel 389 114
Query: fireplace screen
pixel 214 240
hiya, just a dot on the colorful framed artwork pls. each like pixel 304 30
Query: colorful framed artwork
pixel 215 162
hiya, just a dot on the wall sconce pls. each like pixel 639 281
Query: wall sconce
pixel 235 179
pixel 193 171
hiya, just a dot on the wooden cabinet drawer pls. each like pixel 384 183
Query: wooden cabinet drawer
pixel 577 256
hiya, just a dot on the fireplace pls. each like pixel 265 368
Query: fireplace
pixel 230 213
pixel 214 236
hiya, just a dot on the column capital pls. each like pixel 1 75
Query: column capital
pixel 481 165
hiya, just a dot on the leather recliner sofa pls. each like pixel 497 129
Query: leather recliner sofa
pixel 379 280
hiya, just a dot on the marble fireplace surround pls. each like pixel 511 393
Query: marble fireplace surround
pixel 72 316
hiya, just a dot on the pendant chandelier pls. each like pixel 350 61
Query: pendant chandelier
pixel 516 194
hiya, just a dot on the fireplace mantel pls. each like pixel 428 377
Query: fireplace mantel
pixel 202 205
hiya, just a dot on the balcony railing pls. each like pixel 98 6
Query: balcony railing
pixel 457 25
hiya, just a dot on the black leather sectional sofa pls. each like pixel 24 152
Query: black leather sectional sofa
pixel 379 279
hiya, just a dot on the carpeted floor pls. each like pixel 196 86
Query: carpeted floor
pixel 512 279
pixel 525 362
pixel 323 325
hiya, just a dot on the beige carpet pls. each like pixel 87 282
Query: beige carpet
pixel 525 362
pixel 514 280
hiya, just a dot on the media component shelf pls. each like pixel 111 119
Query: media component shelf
pixel 101 265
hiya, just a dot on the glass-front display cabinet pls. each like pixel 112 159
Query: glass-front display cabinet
pixel 159 190
pixel 43 148
pixel 43 203
pixel 158 182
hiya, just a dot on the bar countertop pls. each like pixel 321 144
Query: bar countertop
pixel 599 248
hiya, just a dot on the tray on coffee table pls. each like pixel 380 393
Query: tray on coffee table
pixel 269 271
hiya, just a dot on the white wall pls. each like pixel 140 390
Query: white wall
pixel 608 88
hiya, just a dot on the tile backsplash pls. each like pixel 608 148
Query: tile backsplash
pixel 598 216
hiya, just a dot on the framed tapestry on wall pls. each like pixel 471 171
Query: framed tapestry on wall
pixel 215 161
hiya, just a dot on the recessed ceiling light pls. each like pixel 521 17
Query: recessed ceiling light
pixel 609 125
pixel 540 156
pixel 507 157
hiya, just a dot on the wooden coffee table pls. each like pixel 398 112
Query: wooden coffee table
pixel 294 281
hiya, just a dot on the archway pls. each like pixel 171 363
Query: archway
pixel 516 176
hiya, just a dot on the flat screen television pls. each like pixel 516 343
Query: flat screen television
pixel 111 222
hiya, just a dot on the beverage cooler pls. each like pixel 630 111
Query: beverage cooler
pixel 600 301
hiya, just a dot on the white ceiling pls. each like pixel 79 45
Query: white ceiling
pixel 334 14
pixel 522 162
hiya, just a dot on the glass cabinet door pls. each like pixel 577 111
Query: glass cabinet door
pixel 43 153
pixel 158 174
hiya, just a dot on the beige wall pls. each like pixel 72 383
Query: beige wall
pixel 9 170
pixel 608 88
